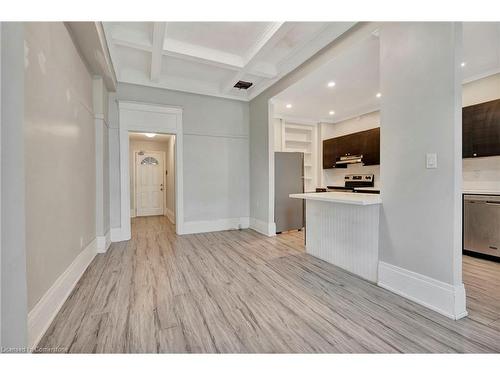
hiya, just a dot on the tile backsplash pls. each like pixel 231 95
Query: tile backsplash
pixel 481 173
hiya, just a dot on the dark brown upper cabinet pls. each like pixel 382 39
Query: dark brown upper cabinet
pixel 366 143
pixel 481 129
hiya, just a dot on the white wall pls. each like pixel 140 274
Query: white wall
pixel 59 154
pixel 216 164
pixel 14 311
pixel 420 222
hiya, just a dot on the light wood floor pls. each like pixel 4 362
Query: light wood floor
pixel 239 291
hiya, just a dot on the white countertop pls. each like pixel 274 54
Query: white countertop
pixel 340 197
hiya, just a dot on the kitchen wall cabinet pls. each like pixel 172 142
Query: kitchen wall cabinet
pixel 366 143
pixel 481 129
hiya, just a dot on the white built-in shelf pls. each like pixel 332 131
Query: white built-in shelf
pixel 302 138
pixel 305 141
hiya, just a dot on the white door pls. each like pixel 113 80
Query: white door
pixel 149 183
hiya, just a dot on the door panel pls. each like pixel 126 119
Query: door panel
pixel 149 183
pixel 289 172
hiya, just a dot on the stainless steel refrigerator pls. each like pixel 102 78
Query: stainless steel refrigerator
pixel 288 179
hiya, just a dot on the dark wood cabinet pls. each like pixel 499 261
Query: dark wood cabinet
pixel 371 153
pixel 366 143
pixel 481 129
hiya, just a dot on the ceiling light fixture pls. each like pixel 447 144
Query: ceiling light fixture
pixel 331 84
pixel 463 64
pixel 150 135
pixel 331 113
pixel 289 106
pixel 378 95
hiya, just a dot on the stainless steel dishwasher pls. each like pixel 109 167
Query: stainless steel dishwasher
pixel 482 224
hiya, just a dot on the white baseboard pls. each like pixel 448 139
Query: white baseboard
pixel 41 316
pixel 215 225
pixel 117 235
pixel 132 213
pixel 268 229
pixel 444 298
pixel 103 242
pixel 170 215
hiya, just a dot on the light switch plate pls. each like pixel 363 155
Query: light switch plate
pixel 431 161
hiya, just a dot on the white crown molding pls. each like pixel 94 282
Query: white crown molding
pixel 444 298
pixel 302 53
pixel 90 39
pixel 298 120
pixel 176 84
pixel 481 76
pixel 41 316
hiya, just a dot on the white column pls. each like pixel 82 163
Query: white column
pixel 420 238
pixel 100 100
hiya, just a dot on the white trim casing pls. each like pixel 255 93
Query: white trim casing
pixel 41 316
pixel 103 242
pixel 170 215
pixel 116 235
pixel 268 229
pixel 150 118
pixel 215 225
pixel 444 298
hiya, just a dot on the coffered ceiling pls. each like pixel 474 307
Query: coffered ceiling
pixel 211 57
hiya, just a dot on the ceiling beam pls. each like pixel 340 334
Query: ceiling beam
pixel 157 49
pixel 202 55
pixel 269 38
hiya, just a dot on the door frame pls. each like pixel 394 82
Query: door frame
pixel 164 158
pixel 148 118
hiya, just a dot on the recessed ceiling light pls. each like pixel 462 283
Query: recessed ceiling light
pixel 289 106
pixel 331 113
pixel 378 95
pixel 331 84
pixel 462 64
pixel 150 135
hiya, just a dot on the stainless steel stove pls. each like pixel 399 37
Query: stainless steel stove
pixel 357 183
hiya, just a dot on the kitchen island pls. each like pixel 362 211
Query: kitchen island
pixel 343 229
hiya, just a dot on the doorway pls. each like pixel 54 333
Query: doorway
pixel 152 175
pixel 149 183
pixel 149 119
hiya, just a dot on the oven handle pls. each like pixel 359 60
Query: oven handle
pixel 496 203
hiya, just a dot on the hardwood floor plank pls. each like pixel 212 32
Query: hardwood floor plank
pixel 241 292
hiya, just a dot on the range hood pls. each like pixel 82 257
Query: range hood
pixel 349 159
